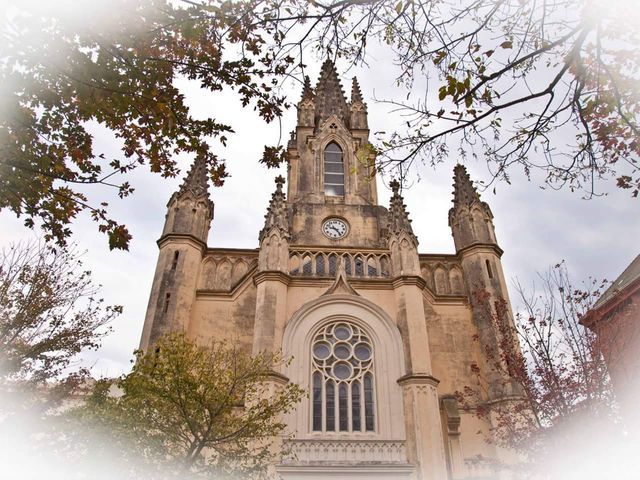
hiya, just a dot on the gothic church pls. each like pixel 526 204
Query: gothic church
pixel 381 336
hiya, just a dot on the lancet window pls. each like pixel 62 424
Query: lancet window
pixel 343 398
pixel 333 170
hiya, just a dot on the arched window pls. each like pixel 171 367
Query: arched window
pixel 333 170
pixel 343 397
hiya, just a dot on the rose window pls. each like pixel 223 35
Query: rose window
pixel 342 379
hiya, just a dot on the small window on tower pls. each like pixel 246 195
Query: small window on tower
pixel 167 298
pixel 489 271
pixel 174 264
pixel 333 170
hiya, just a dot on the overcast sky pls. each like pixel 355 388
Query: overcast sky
pixel 536 228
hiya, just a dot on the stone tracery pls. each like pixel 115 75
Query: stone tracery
pixel 343 387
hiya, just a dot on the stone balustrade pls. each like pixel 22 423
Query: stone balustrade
pixel 365 264
pixel 312 451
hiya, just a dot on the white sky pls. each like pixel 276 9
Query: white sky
pixel 536 228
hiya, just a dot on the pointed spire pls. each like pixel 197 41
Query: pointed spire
pixel 356 94
pixel 277 216
pixel 399 222
pixel 196 182
pixel 307 91
pixel 330 97
pixel 464 193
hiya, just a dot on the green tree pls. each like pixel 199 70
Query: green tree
pixel 196 409
pixel 67 66
pixel 549 86
pixel 49 313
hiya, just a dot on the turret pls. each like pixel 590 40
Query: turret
pixel 470 219
pixel 307 105
pixel 190 210
pixel 274 236
pixel 403 244
pixel 471 223
pixel 272 277
pixel 357 108
pixel 182 245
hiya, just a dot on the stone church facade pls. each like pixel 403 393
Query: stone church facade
pixel 380 335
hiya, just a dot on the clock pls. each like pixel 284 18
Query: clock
pixel 335 228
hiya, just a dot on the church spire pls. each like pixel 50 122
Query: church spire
pixel 464 193
pixel 307 90
pixel 356 94
pixel 329 94
pixel 196 183
pixel 470 219
pixel 190 210
pixel 277 217
pixel 399 223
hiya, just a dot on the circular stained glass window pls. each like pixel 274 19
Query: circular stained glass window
pixel 342 332
pixel 362 352
pixel 321 350
pixel 342 370
pixel 342 350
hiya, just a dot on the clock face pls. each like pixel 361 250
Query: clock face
pixel 335 228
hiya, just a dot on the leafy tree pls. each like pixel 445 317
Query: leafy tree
pixel 558 366
pixel 196 409
pixel 549 86
pixel 49 313
pixel 114 64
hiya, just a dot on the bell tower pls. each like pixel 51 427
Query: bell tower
pixel 331 165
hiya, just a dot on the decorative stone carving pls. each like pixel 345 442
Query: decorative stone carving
pixel 344 452
pixel 399 223
pixel 330 98
pixel 277 218
pixel 403 244
pixel 470 218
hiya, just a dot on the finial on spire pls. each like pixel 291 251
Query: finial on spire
pixel 464 192
pixel 399 222
pixel 197 180
pixel 277 217
pixel 356 94
pixel 307 91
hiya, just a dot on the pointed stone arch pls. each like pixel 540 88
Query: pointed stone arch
pixel 456 280
pixel 387 345
pixel 239 270
pixel 207 274
pixel 441 280
pixel 223 275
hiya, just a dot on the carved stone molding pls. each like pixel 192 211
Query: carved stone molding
pixel 418 379
pixel 271 275
pixel 310 452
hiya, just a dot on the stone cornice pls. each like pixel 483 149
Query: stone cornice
pixel 164 239
pixel 479 247
pixel 418 379
pixel 403 280
pixel 232 251
pixel 271 275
